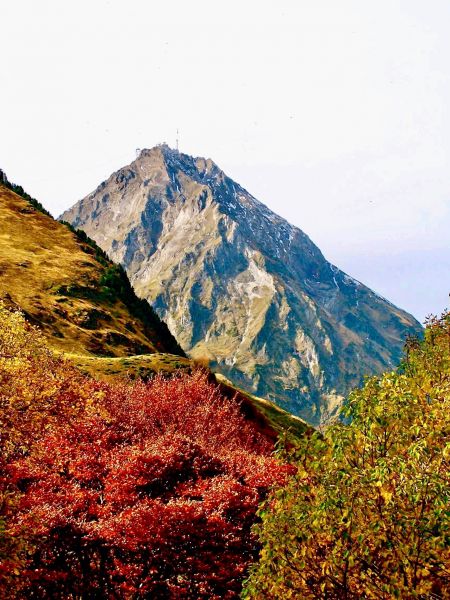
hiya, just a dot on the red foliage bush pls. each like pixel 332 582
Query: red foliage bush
pixel 149 491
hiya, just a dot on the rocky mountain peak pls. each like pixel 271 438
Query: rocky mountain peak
pixel 200 169
pixel 239 285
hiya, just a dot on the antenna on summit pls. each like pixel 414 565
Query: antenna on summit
pixel 177 141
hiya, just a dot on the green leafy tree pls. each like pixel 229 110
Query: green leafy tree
pixel 367 514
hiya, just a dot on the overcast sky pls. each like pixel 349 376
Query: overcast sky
pixel 334 114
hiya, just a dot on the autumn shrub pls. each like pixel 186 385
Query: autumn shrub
pixel 367 513
pixel 143 490
pixel 38 391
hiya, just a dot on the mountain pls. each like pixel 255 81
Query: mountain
pixel 240 286
pixel 83 303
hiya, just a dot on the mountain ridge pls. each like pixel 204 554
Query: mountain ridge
pixel 240 286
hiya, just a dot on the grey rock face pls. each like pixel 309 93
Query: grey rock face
pixel 239 285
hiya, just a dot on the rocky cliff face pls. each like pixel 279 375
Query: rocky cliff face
pixel 239 285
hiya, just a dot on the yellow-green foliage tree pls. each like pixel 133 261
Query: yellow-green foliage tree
pixel 37 388
pixel 368 513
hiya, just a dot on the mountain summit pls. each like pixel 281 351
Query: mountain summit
pixel 239 285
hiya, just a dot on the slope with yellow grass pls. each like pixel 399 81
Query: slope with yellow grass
pixel 83 303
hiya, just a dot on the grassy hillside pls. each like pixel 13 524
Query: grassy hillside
pixel 62 282
pixel 280 421
pixel 131 367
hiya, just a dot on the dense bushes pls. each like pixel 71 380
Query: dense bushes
pixel 122 491
pixel 367 514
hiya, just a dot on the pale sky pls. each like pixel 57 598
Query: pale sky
pixel 334 114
